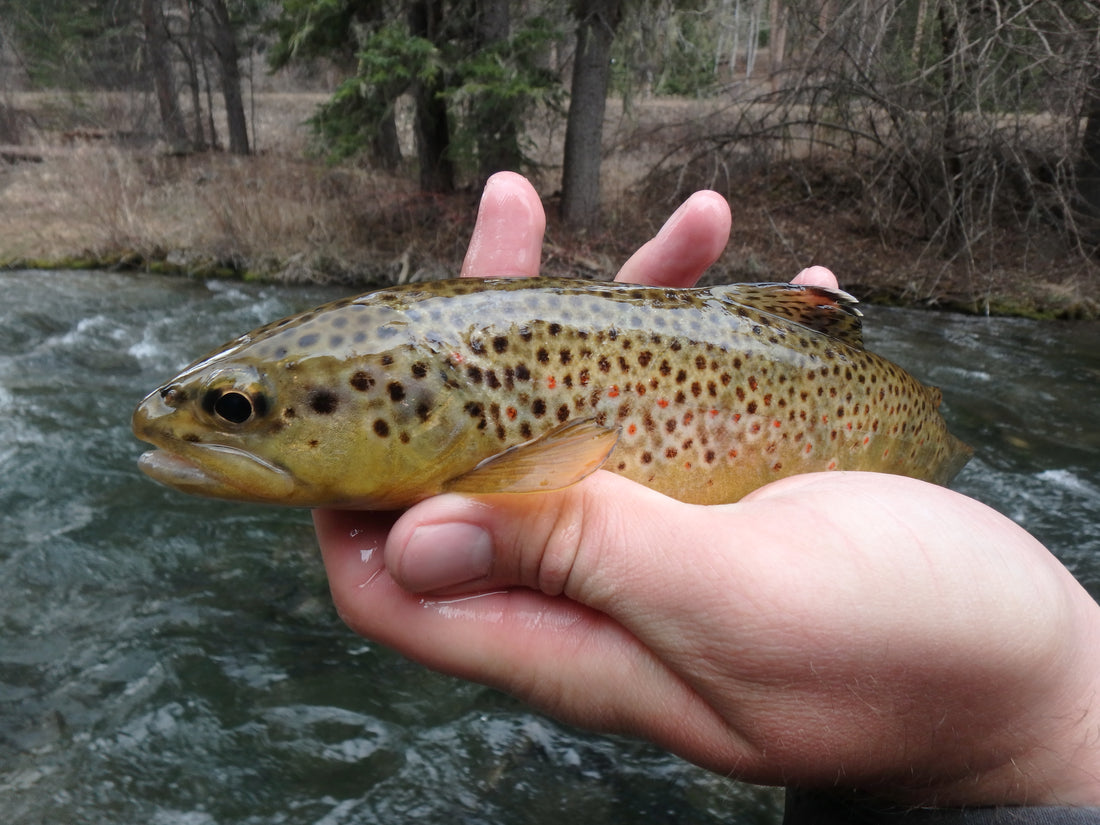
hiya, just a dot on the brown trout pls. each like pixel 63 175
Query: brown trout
pixel 522 385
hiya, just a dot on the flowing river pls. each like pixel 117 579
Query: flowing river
pixel 168 660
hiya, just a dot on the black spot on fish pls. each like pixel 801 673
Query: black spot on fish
pixel 381 428
pixel 387 360
pixel 538 408
pixel 396 391
pixel 554 329
pixel 323 402
pixel 647 458
pixel 525 429
pixel 644 358
pixel 500 344
pixel 522 373
pixel 474 409
pixel 403 437
pixel 423 411
pixel 191 438
pixel 362 381
pixel 477 346
pixel 289 412
pixel 542 355
pixel 563 413
pixel 491 379
pixel 474 374
pixel 566 356
pixel 419 369
pixel 604 364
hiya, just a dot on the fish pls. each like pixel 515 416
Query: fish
pixel 519 385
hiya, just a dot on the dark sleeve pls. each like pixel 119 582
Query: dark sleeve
pixel 813 808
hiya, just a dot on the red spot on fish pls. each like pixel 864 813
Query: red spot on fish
pixel 713 413
pixel 809 447
pixel 687 465
pixel 456 357
pixel 777 423
pixel 732 453
pixel 824 419
pixel 736 417
pixel 551 382
pixel 662 403
pixel 511 412
pixel 613 392
pixel 633 428
pixel 832 465
pixel 849 425
pixel 886 452
pixel 866 439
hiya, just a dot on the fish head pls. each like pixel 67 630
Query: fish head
pixel 285 415
pixel 213 428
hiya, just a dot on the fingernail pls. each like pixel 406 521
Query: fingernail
pixel 439 556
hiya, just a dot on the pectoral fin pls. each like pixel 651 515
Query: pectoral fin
pixel 554 460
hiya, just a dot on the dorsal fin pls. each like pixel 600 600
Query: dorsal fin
pixel 828 311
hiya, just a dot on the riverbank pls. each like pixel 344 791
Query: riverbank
pixel 89 198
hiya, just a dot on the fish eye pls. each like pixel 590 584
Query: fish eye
pixel 234 407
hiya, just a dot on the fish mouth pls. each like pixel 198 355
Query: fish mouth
pixel 218 471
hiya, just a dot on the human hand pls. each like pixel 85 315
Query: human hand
pixel 846 629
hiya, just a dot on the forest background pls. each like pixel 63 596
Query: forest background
pixel 931 152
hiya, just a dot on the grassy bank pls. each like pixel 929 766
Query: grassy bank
pixel 78 192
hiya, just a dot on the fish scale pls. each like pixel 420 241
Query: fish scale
pixel 521 385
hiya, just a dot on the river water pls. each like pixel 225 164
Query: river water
pixel 169 660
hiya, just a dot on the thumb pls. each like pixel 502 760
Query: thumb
pixel 591 542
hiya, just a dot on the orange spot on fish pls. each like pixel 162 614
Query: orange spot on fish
pixel 866 439
pixel 809 447
pixel 713 413
pixel 736 417
pixel 732 453
pixel 511 412
pixel 457 357
pixel 687 465
pixel 777 423
pixel 832 465
pixel 613 392
pixel 551 382
pixel 662 403
pixel 849 425
pixel 633 428
pixel 824 419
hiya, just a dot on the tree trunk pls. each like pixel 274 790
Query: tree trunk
pixel 777 35
pixel 1088 168
pixel 433 135
pixel 224 41
pixel 164 81
pixel 495 119
pixel 580 184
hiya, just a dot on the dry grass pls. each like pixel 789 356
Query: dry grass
pixel 100 198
